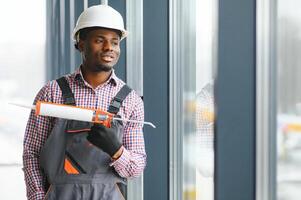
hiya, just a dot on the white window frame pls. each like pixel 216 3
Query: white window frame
pixel 266 74
pixel 134 72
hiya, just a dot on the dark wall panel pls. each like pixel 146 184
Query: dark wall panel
pixel 78 9
pixel 156 101
pixel 235 98
pixel 121 65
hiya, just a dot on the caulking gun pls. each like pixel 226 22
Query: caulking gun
pixel 77 113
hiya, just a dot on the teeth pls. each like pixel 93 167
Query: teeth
pixel 107 58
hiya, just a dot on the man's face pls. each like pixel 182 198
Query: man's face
pixel 100 49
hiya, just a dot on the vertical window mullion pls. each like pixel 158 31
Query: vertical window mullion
pixel 266 157
pixel 134 71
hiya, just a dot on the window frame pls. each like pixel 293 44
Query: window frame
pixel 266 103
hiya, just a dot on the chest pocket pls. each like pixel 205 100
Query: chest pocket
pixel 81 157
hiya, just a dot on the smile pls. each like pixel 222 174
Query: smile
pixel 107 57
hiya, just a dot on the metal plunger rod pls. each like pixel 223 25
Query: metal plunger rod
pixel 134 121
pixel 23 106
pixel 105 117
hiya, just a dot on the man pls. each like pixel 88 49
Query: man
pixel 65 159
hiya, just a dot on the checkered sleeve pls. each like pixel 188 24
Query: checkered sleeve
pixel 36 133
pixel 133 159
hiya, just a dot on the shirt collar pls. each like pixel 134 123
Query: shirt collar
pixel 79 76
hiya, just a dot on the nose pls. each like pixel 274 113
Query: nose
pixel 107 46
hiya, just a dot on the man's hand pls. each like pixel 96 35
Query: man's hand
pixel 107 139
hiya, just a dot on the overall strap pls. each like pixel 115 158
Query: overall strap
pixel 118 99
pixel 68 96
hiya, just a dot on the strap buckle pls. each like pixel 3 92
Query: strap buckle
pixel 116 103
pixel 69 99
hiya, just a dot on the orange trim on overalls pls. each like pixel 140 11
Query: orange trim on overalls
pixel 69 167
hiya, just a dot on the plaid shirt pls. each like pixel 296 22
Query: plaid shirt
pixel 133 159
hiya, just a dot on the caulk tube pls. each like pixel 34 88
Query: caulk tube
pixel 64 111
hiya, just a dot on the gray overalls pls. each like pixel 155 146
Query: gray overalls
pixel 76 169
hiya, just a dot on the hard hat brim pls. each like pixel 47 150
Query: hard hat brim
pixel 123 34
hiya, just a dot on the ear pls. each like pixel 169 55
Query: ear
pixel 81 45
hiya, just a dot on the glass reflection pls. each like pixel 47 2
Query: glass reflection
pixel 204 140
pixel 198 101
pixel 289 98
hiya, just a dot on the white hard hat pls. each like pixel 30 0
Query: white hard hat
pixel 100 16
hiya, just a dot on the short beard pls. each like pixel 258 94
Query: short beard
pixel 102 68
pixel 96 67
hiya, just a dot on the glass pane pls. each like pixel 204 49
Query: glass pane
pixel 289 99
pixel 198 102
pixel 205 61
pixel 22 67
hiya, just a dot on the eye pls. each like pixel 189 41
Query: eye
pixel 115 43
pixel 99 40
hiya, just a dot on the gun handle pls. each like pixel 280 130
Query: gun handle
pixel 107 122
